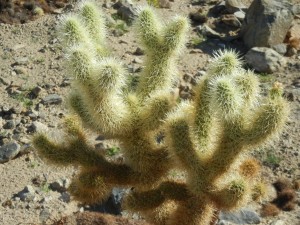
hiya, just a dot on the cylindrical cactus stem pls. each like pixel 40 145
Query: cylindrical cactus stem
pixel 163 46
pixel 146 200
pixel 155 110
pixel 94 21
pixel 226 98
pixel 90 187
pixel 193 211
pixel 268 121
pixel 148 28
pixel 179 141
pixel 224 63
pixel 233 196
pixel 73 32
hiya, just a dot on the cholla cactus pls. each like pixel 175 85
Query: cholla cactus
pixel 208 138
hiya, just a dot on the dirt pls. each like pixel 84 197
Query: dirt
pixel 31 56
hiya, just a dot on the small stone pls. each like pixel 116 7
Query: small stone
pixel 244 216
pixel 27 194
pixel 65 197
pixel 280 48
pixel 38 127
pixel 278 222
pixel 44 215
pixel 138 51
pixel 52 99
pixel 60 185
pixel 23 61
pixel 187 78
pixel 207 31
pixel 20 70
pixel 10 124
pixel 9 151
pixel 240 15
pixel 231 20
pixel 35 91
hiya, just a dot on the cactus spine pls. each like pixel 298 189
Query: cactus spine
pixel 208 138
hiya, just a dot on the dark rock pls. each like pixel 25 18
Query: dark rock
pixel 9 151
pixel 126 10
pixel 10 124
pixel 266 23
pixel 60 185
pixel 52 99
pixel 27 194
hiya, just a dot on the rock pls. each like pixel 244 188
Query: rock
pixel 65 197
pixel 266 23
pixel 20 70
pixel 113 204
pixel 44 215
pixel 278 222
pixel 9 151
pixel 293 36
pixel 126 10
pixel 234 5
pixel 10 124
pixel 138 51
pixel 52 99
pixel 38 127
pixel 291 51
pixel 23 61
pixel 296 9
pixel 207 31
pixel 243 216
pixel 60 185
pixel 265 60
pixel 198 17
pixel 280 48
pixel 240 15
pixel 35 91
pixel 27 194
pixel 231 20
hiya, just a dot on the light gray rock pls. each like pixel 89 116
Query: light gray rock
pixel 52 99
pixel 278 222
pixel 38 127
pixel 9 151
pixel 243 216
pixel 240 15
pixel 266 23
pixel 280 48
pixel 207 31
pixel 265 60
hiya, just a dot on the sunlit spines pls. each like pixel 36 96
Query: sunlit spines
pixel 224 63
pixel 73 32
pixel 94 20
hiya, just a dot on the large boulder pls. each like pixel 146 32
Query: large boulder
pixel 266 23
pixel 265 60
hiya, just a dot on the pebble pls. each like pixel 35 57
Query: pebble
pixel 243 216
pixel 60 185
pixel 9 151
pixel 27 194
pixel 278 222
pixel 38 127
pixel 52 99
pixel 10 124
pixel 23 61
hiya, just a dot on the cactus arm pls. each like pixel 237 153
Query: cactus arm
pixel 145 200
pixel 155 110
pixel 163 46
